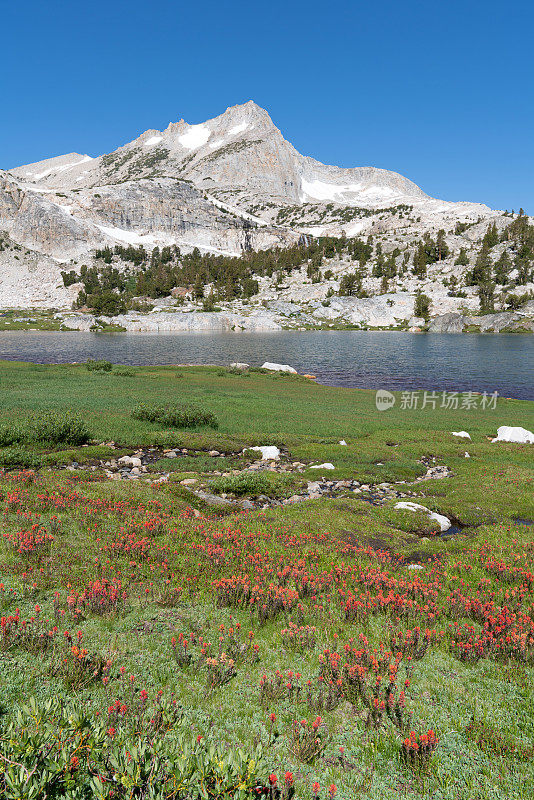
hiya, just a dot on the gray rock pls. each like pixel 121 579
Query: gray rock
pixel 213 499
pixel 497 322
pixel 447 323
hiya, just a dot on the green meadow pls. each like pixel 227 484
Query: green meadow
pixel 318 635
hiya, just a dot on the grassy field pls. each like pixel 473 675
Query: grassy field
pixel 238 628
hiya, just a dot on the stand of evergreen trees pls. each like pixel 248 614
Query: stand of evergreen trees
pixel 487 274
pixel 109 290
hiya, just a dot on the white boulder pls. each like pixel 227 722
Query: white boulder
pixel 444 522
pixel 327 465
pixel 462 434
pixel 278 367
pixel 130 461
pixel 268 453
pixel 343 442
pixel 519 435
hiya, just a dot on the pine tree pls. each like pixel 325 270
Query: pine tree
pixel 421 305
pixel 482 270
pixel 502 268
pixel 349 285
pixel 462 259
pixel 486 296
pixel 441 246
pixel 419 261
pixel 491 237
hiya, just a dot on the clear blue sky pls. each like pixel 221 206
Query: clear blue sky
pixel 441 92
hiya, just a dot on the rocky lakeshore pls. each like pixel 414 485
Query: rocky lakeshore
pixel 393 311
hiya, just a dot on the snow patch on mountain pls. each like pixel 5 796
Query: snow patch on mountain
pixel 161 239
pixel 129 237
pixel 237 211
pixel 243 126
pixel 62 168
pixel 334 192
pixel 152 141
pixel 195 137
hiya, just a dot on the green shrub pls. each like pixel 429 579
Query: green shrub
pixel 60 750
pixel 20 458
pixel 50 427
pixel 124 373
pixel 57 427
pixel 98 366
pixel 175 416
pixel 12 434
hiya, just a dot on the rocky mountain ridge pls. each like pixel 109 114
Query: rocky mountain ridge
pixel 227 186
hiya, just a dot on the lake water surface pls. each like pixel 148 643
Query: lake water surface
pixel 364 359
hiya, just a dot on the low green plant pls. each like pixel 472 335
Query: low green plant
pixel 253 484
pixel 11 434
pixel 124 373
pixel 175 416
pixel 20 458
pixel 98 366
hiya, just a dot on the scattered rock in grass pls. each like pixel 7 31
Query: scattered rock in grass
pixel 296 498
pixel 326 465
pixel 343 442
pixel 435 473
pixel 444 522
pixel 278 367
pixel 213 499
pixel 189 481
pixel 518 435
pixel 239 365
pixel 462 434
